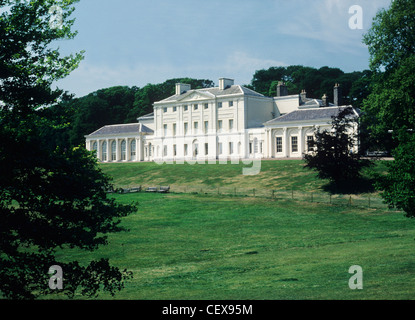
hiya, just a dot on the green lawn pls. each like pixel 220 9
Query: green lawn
pixel 274 174
pixel 285 173
pixel 192 246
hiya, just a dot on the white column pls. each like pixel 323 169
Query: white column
pixel 127 150
pixel 138 148
pixel 99 150
pixel 286 143
pixel 300 141
pixel 190 122
pixel 117 149
pixel 108 150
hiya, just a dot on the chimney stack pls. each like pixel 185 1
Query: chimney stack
pixel 337 95
pixel 225 83
pixel 325 100
pixel 303 96
pixel 282 89
pixel 182 88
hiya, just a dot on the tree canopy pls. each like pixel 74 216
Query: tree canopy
pixel 316 82
pixel 391 43
pixel 334 156
pixel 51 197
pixel 389 109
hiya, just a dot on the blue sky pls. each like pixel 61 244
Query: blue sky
pixel 135 42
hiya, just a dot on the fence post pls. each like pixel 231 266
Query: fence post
pixel 272 194
pixel 330 198
pixel 350 201
pixel 292 194
pixel 312 200
pixel 254 192
pixel 369 201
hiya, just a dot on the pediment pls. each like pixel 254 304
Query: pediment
pixel 196 95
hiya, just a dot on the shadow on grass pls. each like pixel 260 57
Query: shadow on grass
pixel 358 186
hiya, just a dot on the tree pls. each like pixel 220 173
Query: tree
pixel 316 82
pixel 399 184
pixel 334 157
pixel 389 109
pixel 97 109
pixel 50 197
pixel 391 43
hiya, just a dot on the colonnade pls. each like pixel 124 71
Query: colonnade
pixel 117 149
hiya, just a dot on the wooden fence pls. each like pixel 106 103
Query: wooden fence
pixel 356 200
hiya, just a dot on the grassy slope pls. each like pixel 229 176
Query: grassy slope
pixel 282 174
pixel 212 247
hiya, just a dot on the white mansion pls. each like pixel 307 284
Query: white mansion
pixel 224 122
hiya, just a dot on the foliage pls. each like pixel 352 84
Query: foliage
pixel 100 108
pixel 316 82
pixel 391 39
pixel 391 43
pixel 399 184
pixel 115 105
pixel 333 156
pixel 389 109
pixel 50 197
pixel 390 106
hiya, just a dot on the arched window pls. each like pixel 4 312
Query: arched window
pixel 104 151
pixel 123 150
pixel 113 151
pixel 133 150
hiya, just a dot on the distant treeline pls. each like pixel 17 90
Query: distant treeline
pixel 76 117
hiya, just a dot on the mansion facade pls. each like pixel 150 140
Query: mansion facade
pixel 225 122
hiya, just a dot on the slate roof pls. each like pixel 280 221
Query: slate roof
pixel 308 114
pixel 147 116
pixel 235 89
pixel 130 128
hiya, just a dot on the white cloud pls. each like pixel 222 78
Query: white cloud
pixel 90 77
pixel 328 23
pixel 243 66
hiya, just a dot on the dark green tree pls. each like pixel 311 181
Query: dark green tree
pixel 389 109
pixel 265 80
pixel 333 155
pixel 399 184
pixel 50 197
pixel 97 109
pixel 391 43
pixel 316 82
